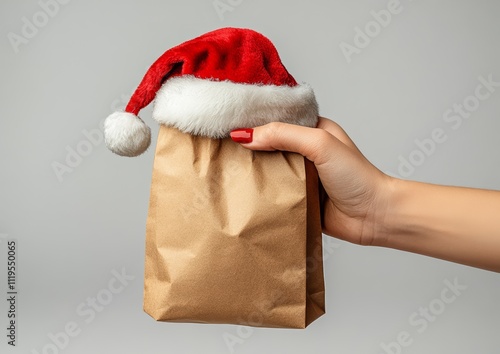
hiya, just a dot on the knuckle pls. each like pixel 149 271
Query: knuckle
pixel 323 137
pixel 320 145
pixel 274 130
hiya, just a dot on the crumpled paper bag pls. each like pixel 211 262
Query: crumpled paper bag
pixel 233 236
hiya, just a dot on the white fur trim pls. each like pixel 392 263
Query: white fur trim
pixel 214 108
pixel 126 134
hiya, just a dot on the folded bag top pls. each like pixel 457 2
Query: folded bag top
pixel 232 235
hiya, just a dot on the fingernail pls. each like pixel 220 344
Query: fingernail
pixel 242 136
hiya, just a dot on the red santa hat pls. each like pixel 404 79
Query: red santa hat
pixel 226 79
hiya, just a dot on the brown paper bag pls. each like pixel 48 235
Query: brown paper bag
pixel 233 236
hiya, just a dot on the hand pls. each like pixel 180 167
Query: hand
pixel 357 191
pixel 367 207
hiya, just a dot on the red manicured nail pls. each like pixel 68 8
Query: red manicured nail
pixel 242 136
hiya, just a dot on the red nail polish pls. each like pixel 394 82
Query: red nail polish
pixel 242 136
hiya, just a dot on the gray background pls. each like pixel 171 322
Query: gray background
pixel 74 230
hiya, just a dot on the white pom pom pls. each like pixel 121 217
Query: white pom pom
pixel 126 134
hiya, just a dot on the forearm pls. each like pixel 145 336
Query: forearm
pixel 452 223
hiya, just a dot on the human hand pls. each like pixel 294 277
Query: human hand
pixel 367 207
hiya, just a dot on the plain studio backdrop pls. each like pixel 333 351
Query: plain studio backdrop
pixel 414 83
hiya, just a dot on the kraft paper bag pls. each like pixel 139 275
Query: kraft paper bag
pixel 233 236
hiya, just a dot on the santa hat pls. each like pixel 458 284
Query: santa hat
pixel 226 79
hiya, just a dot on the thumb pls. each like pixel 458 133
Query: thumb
pixel 313 143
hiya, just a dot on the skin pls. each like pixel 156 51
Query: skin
pixel 367 207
